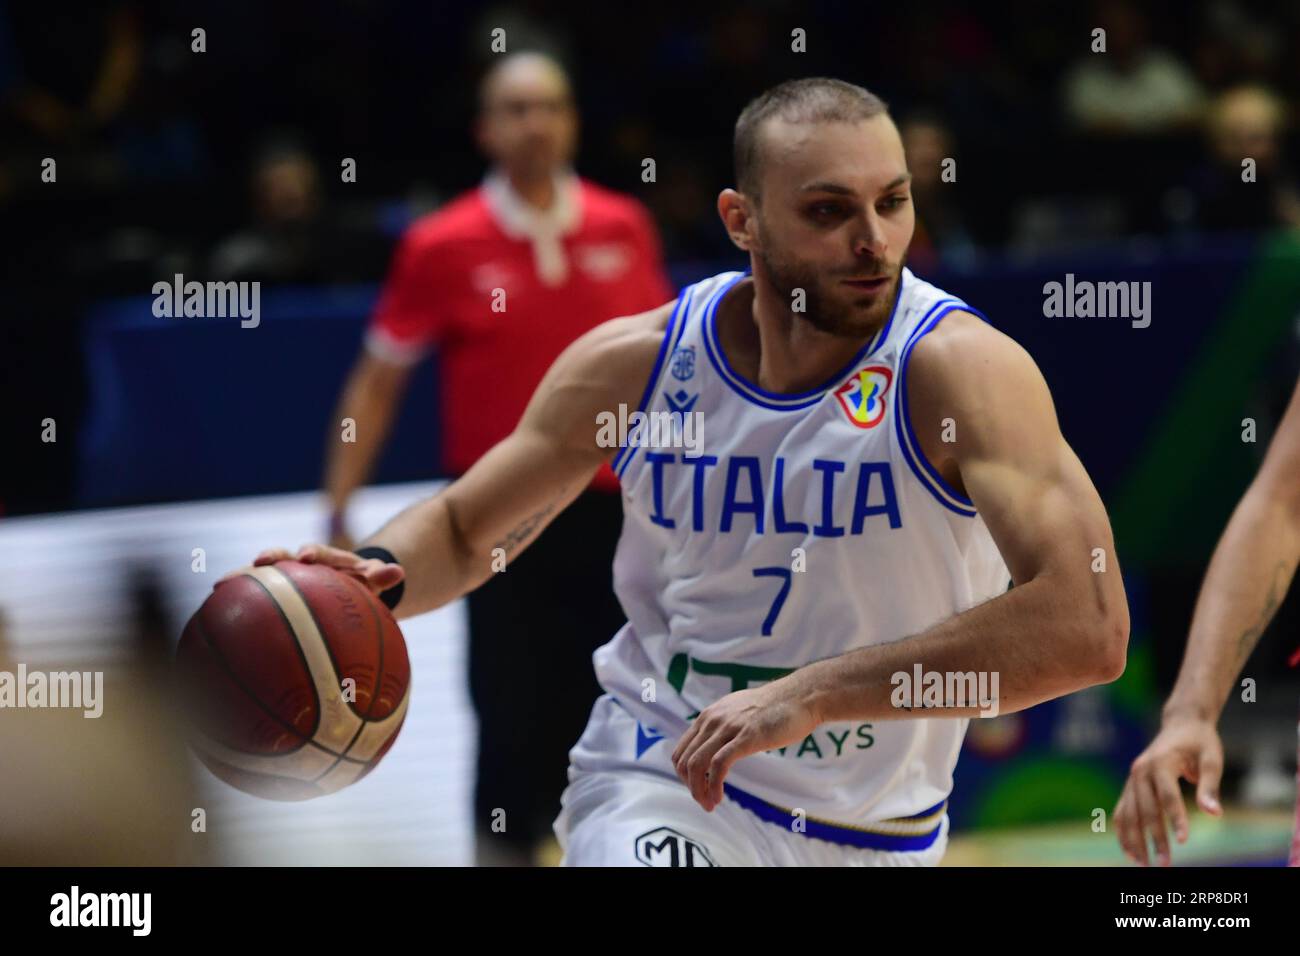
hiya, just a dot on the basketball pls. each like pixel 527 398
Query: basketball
pixel 295 678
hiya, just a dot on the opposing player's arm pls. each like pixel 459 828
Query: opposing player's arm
pixel 1063 627
pixel 1248 577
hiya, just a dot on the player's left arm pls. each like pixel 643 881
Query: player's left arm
pixel 1063 627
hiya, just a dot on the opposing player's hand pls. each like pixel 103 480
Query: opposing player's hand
pixel 377 575
pixel 1187 748
pixel 742 723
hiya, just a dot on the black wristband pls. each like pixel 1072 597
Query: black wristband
pixel 393 594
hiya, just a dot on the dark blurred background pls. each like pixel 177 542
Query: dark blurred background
pixel 227 162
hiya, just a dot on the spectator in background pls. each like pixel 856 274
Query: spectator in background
pixel 557 255
pixel 941 236
pixel 1133 88
pixel 292 238
pixel 65 77
pixel 74 69
pixel 1236 42
pixel 1246 122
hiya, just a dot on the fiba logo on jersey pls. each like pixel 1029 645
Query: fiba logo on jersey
pixel 683 364
pixel 664 846
pixel 863 396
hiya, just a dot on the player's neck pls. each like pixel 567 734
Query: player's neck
pixel 775 349
pixel 536 191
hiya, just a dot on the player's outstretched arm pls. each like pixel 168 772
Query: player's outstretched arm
pixel 1063 627
pixel 449 544
pixel 1248 577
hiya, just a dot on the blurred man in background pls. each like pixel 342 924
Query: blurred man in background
pixel 294 235
pixel 1243 123
pixel 500 280
pixel 1129 87
pixel 941 236
pixel 1248 577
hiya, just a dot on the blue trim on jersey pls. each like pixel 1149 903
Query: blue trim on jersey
pixel 925 472
pixel 900 419
pixel 929 477
pixel 772 400
pixel 836 833
pixel 683 325
pixel 628 451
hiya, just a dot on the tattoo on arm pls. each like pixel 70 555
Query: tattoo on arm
pixel 1250 636
pixel 522 531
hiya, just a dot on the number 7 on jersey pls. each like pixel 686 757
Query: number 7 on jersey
pixel 784 575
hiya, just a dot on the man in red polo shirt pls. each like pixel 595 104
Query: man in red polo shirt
pixel 500 281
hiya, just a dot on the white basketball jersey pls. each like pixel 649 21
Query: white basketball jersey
pixel 806 526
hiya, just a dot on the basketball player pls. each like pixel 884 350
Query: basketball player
pixel 1248 577
pixel 877 463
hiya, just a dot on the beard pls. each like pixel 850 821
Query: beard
pixel 831 308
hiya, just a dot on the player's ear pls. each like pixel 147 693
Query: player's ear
pixel 734 210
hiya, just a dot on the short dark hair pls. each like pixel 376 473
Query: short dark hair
pixel 498 64
pixel 816 99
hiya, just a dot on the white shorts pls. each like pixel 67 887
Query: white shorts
pixel 617 811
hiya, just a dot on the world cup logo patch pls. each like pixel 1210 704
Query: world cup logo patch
pixel 863 396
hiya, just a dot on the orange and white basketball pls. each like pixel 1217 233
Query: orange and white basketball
pixel 296 680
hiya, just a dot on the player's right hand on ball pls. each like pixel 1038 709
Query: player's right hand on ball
pixel 1188 748
pixel 377 575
